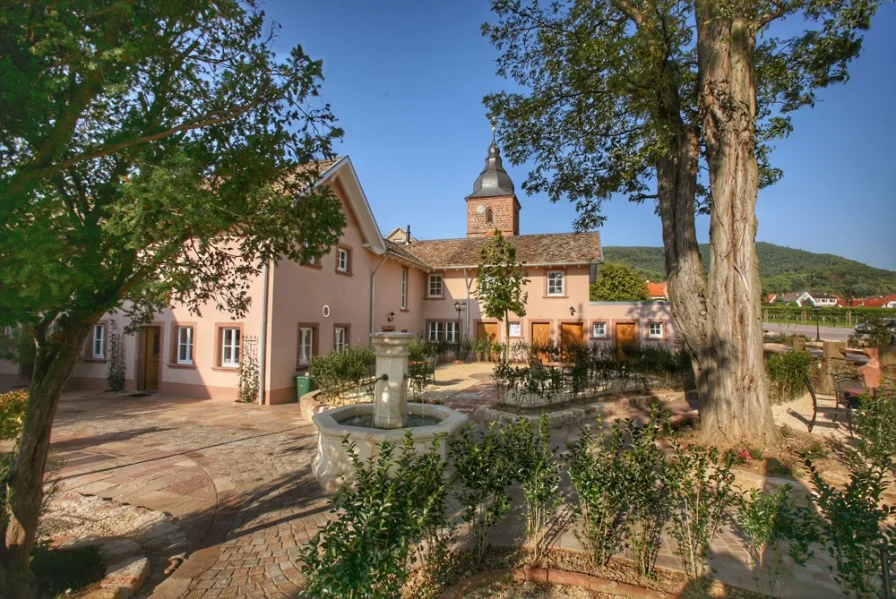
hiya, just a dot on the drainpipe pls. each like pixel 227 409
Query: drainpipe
pixel 263 336
pixel 373 288
pixel 467 283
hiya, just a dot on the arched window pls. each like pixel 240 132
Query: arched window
pixel 488 216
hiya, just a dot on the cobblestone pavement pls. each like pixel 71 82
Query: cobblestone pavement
pixel 237 478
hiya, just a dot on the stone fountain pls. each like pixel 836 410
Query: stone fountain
pixel 386 419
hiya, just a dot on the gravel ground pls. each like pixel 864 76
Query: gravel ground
pixel 534 590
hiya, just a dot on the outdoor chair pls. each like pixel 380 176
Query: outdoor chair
pixel 846 400
pixel 815 399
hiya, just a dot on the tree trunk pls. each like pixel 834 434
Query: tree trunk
pixel 735 407
pixel 53 367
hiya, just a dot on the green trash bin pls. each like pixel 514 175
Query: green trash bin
pixel 304 384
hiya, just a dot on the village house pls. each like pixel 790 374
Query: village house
pixel 369 283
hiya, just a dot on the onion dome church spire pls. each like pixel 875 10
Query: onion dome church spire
pixel 493 203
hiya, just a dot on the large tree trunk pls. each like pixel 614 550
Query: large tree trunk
pixel 735 406
pixel 53 367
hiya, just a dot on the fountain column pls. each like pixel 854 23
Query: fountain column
pixel 390 398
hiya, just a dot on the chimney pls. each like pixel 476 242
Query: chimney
pixel 407 236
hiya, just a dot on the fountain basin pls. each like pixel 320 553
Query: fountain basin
pixel 332 462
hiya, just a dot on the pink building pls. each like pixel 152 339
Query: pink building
pixel 370 283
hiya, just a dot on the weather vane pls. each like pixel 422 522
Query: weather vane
pixel 494 122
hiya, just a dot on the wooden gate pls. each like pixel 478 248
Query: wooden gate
pixel 626 334
pixel 571 335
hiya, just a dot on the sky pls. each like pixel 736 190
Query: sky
pixel 406 80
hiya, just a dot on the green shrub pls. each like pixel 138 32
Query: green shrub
pixel 12 413
pixel 486 466
pixel 773 527
pixel 343 370
pixel 876 426
pixel 364 551
pixel 61 571
pixel 700 490
pixel 598 475
pixel 539 475
pixel 787 374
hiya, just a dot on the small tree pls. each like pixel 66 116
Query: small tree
pixel 501 282
pixel 619 283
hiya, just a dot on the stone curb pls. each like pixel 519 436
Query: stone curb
pixel 555 576
pixel 127 567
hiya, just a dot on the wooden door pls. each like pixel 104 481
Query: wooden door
pixel 152 357
pixel 541 335
pixel 626 334
pixel 571 335
pixel 487 330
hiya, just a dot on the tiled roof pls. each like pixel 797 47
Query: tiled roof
pixel 400 252
pixel 547 249
pixel 656 289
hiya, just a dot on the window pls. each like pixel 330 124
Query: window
pixel 435 285
pixel 555 283
pixel 230 347
pixel 184 345
pixel 339 335
pixel 655 330
pixel 306 344
pixel 489 216
pixel 516 329
pixel 99 342
pixel 343 260
pixel 434 330
pixel 451 330
pixel 599 329
pixel 404 289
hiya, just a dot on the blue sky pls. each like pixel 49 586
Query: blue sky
pixel 406 80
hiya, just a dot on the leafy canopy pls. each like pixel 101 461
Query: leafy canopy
pixel 605 81
pixel 152 154
pixel 619 283
pixel 501 279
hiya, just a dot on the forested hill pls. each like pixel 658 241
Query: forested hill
pixel 782 269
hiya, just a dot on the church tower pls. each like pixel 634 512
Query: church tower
pixel 493 204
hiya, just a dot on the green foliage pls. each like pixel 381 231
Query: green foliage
pixel 539 475
pixel 486 466
pixel 773 528
pixel 116 368
pixel 876 425
pixel 17 345
pixel 787 373
pixel 700 490
pixel 501 280
pixel 853 522
pixel 340 371
pixel 782 269
pixel 12 413
pixel 647 489
pixel 600 480
pixel 619 283
pixel 364 552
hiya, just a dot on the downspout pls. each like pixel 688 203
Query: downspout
pixel 373 288
pixel 263 336
pixel 467 283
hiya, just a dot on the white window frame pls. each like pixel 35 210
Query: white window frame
pixel 404 289
pixel 185 344
pixel 519 329
pixel 339 338
pixel 233 345
pixel 452 331
pixel 657 335
pixel 342 260
pixel 441 285
pixel 603 334
pixel 562 275
pixel 434 330
pixel 98 354
pixel 306 346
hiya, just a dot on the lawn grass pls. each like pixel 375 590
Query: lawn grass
pixel 60 570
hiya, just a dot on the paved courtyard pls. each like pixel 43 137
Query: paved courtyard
pixel 237 479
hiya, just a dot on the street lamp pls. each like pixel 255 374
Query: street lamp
pixel 817 328
pixel 460 307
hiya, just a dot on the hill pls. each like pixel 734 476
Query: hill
pixel 781 269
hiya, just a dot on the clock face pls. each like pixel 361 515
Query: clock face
pixel 480 208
